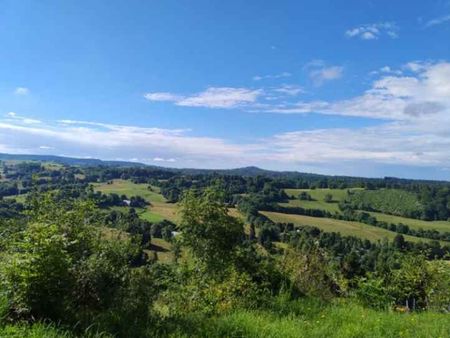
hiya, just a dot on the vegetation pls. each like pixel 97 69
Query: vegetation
pixel 219 255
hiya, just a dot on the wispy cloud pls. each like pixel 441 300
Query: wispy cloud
pixel 437 21
pixel 14 116
pixel 373 31
pixel 21 91
pixel 273 76
pixel 324 74
pixel 160 159
pixel 212 97
pixel 291 90
pixel 161 96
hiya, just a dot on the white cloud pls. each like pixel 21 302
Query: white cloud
pixel 291 90
pixel 84 138
pixel 161 96
pixel 321 75
pixel 160 159
pixel 46 147
pixel 438 21
pixel 274 76
pixel 212 97
pixel 392 97
pixel 414 106
pixel 221 97
pixel 14 116
pixel 21 91
pixel 373 31
pixel 386 70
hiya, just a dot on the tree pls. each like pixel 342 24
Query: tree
pixel 304 196
pixel 208 230
pixel 328 198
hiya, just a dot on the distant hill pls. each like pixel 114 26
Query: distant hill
pixel 84 162
pixel 244 171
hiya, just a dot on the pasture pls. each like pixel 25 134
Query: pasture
pixel 443 226
pixel 346 228
pixel 318 198
pixel 128 188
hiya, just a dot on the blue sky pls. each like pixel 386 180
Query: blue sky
pixel 336 87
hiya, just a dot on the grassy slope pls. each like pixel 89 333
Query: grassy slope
pixel 346 228
pixel 339 194
pixel 390 201
pixel 130 189
pixel 308 318
pixel 318 195
pixel 301 318
pixel 158 210
pixel 413 223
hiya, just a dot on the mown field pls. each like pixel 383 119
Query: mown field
pixel 339 194
pixel 443 226
pixel 318 196
pixel 128 188
pixel 346 228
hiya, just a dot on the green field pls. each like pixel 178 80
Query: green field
pixel 388 201
pixel 19 198
pixel 346 228
pixel 128 188
pixel 162 249
pixel 443 226
pixel 318 196
pixel 339 194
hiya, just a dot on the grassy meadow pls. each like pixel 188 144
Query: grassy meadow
pixel 389 201
pixel 443 226
pixel 300 318
pixel 318 196
pixel 346 228
pixel 128 188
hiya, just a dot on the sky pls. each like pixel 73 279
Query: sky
pixel 349 87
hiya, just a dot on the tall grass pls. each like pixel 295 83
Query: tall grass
pixel 310 318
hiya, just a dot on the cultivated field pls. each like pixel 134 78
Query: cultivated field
pixel 346 228
pixel 443 226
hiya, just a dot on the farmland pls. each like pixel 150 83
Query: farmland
pixel 442 226
pixel 388 201
pixel 346 228
pixel 128 188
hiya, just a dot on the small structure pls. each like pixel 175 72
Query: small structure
pixel 175 233
pixel 127 202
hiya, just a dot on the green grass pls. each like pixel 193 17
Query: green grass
pixel 163 250
pixel 130 189
pixel 320 204
pixel 303 318
pixel 339 194
pixel 19 198
pixel 41 330
pixel 443 226
pixel 151 216
pixel 346 228
pixel 388 201
pixel 318 195
pixel 308 318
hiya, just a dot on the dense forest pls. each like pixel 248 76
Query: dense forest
pixel 76 261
